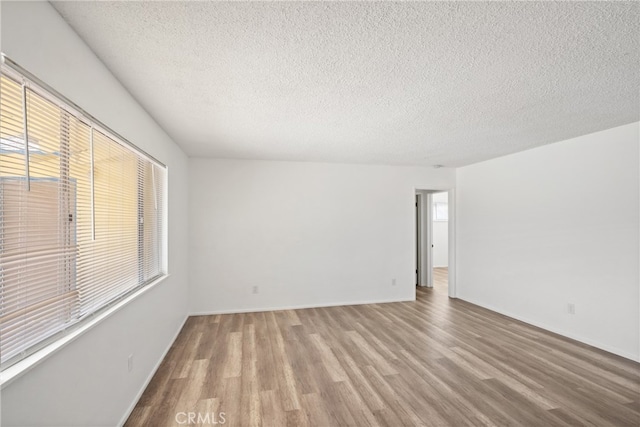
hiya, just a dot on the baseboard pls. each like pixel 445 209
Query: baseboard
pixel 294 307
pixel 609 349
pixel 153 372
pixel 440 266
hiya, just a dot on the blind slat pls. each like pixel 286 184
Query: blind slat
pixel 81 219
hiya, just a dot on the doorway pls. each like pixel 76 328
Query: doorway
pixel 440 239
pixel 434 236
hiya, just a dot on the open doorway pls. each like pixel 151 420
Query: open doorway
pixel 440 239
pixel 434 240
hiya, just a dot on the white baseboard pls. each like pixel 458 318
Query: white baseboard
pixel 294 307
pixel 609 349
pixel 440 266
pixel 153 372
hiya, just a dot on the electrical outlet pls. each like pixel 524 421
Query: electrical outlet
pixel 393 282
pixel 255 290
pixel 571 308
pixel 130 363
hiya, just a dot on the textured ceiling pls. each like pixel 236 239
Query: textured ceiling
pixel 387 83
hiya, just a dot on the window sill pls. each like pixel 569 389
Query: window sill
pixel 15 371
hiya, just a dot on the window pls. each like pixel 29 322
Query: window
pixel 81 216
pixel 440 211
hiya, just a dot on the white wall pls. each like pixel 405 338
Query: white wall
pixel 553 225
pixel 308 234
pixel 86 383
pixel 440 235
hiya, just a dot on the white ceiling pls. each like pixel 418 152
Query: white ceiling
pixel 386 83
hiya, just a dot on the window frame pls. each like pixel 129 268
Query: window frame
pixel 16 365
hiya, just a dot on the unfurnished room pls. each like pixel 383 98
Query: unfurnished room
pixel 320 214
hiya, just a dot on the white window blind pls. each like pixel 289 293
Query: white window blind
pixel 81 217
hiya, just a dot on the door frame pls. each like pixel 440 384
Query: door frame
pixel 418 223
pixel 425 244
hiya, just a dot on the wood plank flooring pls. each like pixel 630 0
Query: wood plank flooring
pixel 432 362
pixel 440 277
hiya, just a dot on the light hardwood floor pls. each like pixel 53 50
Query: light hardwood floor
pixel 432 362
pixel 440 278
